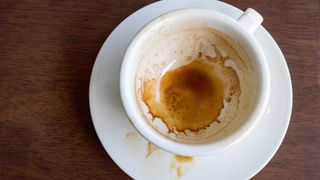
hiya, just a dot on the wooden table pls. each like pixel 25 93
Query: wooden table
pixel 47 49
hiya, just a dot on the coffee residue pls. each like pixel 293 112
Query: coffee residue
pixel 183 159
pixel 191 96
pixel 131 134
pixel 151 149
pixel 178 165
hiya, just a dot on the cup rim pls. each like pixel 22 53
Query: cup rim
pixel 186 149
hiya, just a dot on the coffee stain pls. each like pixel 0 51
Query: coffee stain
pixel 151 149
pixel 131 134
pixel 135 144
pixel 183 159
pixel 179 172
pixel 135 138
pixel 236 52
pixel 191 96
pixel 180 165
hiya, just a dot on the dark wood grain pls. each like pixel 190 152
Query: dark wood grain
pixel 47 49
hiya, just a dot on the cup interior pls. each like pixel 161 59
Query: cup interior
pixel 172 41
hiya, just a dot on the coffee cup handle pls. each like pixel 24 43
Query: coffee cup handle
pixel 250 20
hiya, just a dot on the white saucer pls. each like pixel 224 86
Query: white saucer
pixel 130 151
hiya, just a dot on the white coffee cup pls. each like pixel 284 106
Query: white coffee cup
pixel 240 30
